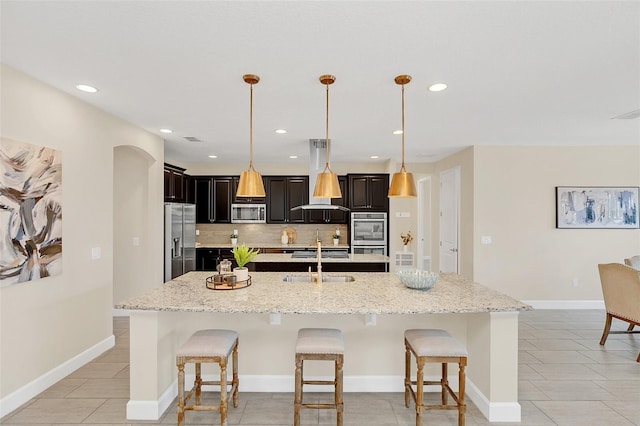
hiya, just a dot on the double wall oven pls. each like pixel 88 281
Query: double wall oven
pixel 369 233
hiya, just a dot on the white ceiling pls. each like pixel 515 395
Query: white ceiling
pixel 519 73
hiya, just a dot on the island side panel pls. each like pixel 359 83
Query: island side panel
pixel 492 342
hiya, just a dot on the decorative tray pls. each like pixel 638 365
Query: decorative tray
pixel 222 285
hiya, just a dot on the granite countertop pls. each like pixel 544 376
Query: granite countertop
pixel 353 258
pixel 370 293
pixel 328 246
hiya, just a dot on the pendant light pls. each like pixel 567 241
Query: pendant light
pixel 327 185
pixel 250 184
pixel 402 184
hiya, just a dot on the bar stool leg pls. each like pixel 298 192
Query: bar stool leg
pixel 223 391
pixel 419 391
pixel 462 408
pixel 407 374
pixel 338 389
pixel 444 382
pixel 235 381
pixel 198 383
pixel 298 391
pixel 180 393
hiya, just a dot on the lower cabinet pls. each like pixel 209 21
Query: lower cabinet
pixel 208 258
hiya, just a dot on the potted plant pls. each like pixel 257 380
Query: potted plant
pixel 234 239
pixel 406 239
pixel 243 255
pixel 336 239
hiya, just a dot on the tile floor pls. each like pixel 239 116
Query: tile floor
pixel 566 378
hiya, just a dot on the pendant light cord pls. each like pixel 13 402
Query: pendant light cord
pixel 402 168
pixel 326 141
pixel 251 127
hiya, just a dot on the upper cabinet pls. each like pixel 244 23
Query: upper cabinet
pixel 174 184
pixel 212 196
pixel 284 193
pixel 368 192
pixel 332 216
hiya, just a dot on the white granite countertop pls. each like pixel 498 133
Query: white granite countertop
pixel 353 258
pixel 327 246
pixel 370 293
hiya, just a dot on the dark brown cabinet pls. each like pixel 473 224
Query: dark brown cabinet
pixel 283 193
pixel 333 216
pixel 174 184
pixel 212 196
pixel 369 192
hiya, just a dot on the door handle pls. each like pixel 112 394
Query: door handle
pixel 455 250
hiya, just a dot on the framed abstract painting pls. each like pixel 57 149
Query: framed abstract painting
pixel 597 207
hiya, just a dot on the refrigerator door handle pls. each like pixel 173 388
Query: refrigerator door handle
pixel 177 247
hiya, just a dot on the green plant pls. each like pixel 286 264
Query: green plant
pixel 243 254
pixel 336 236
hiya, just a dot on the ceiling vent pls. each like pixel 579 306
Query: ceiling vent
pixel 192 139
pixel 628 116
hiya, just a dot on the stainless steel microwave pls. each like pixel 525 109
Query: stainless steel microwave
pixel 248 213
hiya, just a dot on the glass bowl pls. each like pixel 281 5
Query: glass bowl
pixel 417 279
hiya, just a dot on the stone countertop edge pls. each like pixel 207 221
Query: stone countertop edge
pixel 353 258
pixel 370 293
pixel 327 246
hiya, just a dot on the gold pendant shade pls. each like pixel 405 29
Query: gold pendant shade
pixel 327 185
pixel 250 184
pixel 402 183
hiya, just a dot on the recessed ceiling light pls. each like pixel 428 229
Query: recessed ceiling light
pixel 213 156
pixel 281 131
pixel 166 130
pixel 293 156
pixel 397 132
pixel 86 88
pixel 373 157
pixel 438 87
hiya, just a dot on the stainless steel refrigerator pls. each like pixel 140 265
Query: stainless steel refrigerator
pixel 179 239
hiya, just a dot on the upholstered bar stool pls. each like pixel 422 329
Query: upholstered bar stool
pixel 428 345
pixel 208 346
pixel 320 344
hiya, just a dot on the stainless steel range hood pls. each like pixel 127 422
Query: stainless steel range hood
pixel 317 161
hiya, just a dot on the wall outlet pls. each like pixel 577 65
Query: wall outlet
pixel 574 282
pixel 197 232
pixel 96 253
pixel 403 214
pixel 486 239
pixel 136 241
pixel 275 318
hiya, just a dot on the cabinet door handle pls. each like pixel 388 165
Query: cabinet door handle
pixel 455 250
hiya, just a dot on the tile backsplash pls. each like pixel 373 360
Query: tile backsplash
pixel 252 233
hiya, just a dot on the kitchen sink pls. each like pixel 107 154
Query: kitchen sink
pixel 325 278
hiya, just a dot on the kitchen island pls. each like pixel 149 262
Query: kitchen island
pixel 373 311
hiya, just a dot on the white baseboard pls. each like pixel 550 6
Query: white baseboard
pixel 565 304
pixel 493 411
pixel 18 397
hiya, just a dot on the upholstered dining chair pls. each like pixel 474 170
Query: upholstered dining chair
pixel 634 262
pixel 621 291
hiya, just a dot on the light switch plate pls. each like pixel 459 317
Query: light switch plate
pixel 486 239
pixel 96 253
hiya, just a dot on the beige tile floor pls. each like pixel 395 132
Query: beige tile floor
pixel 566 378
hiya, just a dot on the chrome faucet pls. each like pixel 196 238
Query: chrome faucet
pixel 319 257
pixel 317 236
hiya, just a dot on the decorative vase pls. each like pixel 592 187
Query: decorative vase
pixel 234 241
pixel 405 248
pixel 284 238
pixel 336 241
pixel 242 274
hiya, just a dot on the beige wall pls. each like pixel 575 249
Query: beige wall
pixel 45 323
pixel 514 192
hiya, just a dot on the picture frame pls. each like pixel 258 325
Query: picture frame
pixel 597 207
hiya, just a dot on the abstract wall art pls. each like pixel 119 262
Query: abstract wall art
pixel 30 212
pixel 597 207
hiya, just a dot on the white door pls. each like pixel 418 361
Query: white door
pixel 424 224
pixel 449 196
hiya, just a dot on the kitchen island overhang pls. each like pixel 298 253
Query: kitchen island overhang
pixel 373 312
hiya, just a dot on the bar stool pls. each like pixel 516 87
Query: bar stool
pixel 208 346
pixel 323 344
pixel 429 345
